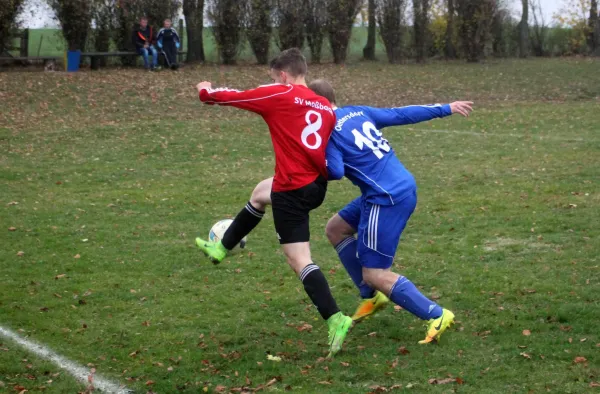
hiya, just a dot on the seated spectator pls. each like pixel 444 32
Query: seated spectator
pixel 168 41
pixel 142 40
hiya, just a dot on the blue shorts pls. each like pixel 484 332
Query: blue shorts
pixel 379 228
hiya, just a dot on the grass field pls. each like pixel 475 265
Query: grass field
pixel 107 177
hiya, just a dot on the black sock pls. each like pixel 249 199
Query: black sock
pixel 317 288
pixel 244 222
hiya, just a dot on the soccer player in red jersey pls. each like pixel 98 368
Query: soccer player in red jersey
pixel 300 123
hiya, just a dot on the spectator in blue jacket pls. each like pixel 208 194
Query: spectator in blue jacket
pixel 169 43
pixel 142 38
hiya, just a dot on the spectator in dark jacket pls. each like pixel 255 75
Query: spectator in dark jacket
pixel 142 38
pixel 168 42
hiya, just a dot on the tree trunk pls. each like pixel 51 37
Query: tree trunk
pixel 341 15
pixel 369 49
pixel 258 30
pixel 524 30
pixel 449 49
pixel 316 27
pixel 593 37
pixel 420 12
pixel 193 10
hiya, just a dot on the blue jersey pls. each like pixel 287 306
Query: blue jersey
pixel 358 150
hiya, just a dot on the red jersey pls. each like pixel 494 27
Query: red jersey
pixel 300 123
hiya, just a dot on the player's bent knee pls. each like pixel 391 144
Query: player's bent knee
pixel 261 195
pixel 337 230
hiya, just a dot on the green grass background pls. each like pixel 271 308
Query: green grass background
pixel 124 168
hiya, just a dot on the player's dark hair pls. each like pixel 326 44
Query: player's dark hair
pixel 291 61
pixel 323 88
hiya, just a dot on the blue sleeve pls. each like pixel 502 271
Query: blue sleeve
pixel 335 161
pixel 385 117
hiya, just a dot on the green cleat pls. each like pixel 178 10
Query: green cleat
pixel 215 251
pixel 339 326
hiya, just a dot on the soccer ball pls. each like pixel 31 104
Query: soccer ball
pixel 218 230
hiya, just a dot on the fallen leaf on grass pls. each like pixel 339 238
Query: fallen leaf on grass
pixel 146 323
pixel 77 256
pixel 594 384
pixel 324 382
pixel 149 382
pixel 272 381
pixel 60 276
pixel 526 333
pixel 378 389
pixel 372 334
pixel 220 388
pixel 12 229
pixel 304 327
pixel 580 360
pixel 527 356
pixel 44 309
pixel 345 364
pixel 20 253
pixel 12 203
pixel 443 381
pixel 403 351
pixel 397 308
pixel 273 358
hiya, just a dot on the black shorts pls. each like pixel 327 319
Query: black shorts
pixel 291 208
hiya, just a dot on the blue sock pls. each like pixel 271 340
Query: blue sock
pixel 406 294
pixel 346 251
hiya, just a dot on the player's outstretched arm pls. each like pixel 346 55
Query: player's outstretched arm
pixel 259 100
pixel 385 117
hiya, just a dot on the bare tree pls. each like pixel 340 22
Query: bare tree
pixel 524 30
pixel 8 15
pixel 316 27
pixel 593 37
pixel 259 28
pixel 369 49
pixel 227 17
pixel 391 16
pixel 341 16
pixel 539 29
pixel 289 21
pixel 420 25
pixel 103 14
pixel 449 49
pixel 193 11
pixel 75 17
pixel 476 18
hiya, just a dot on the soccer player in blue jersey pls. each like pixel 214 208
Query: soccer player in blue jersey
pixel 357 150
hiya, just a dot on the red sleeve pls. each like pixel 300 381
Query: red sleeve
pixel 258 100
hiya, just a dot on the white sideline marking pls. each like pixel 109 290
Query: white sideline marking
pixel 80 372
pixel 551 138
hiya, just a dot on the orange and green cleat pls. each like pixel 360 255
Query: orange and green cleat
pixel 369 306
pixel 436 327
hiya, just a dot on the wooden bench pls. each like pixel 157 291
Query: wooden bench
pixel 96 56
